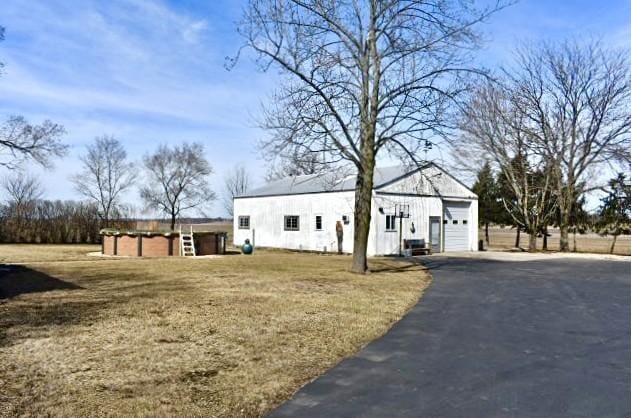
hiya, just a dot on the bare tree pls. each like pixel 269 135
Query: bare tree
pixel 362 77
pixel 105 176
pixel 22 188
pixel 23 191
pixel 21 141
pixel 493 127
pixel 296 165
pixel 237 182
pixel 576 98
pixel 177 180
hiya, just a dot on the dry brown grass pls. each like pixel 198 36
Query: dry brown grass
pixel 28 253
pixel 587 243
pixel 231 336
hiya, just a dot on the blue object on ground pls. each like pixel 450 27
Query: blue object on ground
pixel 247 248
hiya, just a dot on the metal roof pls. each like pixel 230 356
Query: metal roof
pixel 330 182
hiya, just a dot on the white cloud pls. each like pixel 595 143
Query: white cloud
pixel 192 32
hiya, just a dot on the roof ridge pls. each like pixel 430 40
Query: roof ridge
pixel 308 183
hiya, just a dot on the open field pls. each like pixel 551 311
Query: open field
pixel 588 243
pixel 230 336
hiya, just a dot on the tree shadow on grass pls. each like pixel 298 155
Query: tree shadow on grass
pixel 400 265
pixel 33 316
pixel 18 280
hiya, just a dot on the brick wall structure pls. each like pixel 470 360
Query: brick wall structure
pixel 158 245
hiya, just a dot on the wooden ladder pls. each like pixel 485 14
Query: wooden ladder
pixel 187 246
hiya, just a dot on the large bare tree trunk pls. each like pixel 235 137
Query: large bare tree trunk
pixel 532 242
pixel 368 115
pixel 173 216
pixel 363 202
pixel 545 239
pixel 517 237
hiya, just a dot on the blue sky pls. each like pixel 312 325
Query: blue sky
pixel 152 71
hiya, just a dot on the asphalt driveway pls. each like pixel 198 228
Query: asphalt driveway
pixel 489 338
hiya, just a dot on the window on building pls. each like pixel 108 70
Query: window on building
pixel 464 221
pixel 445 222
pixel 391 222
pixel 292 223
pixel 318 222
pixel 244 222
pixel 455 222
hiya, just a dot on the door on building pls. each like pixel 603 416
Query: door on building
pixel 456 226
pixel 434 233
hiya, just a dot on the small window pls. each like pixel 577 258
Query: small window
pixel 292 223
pixel 444 221
pixel 318 222
pixel 346 219
pixel 391 223
pixel 455 222
pixel 464 222
pixel 244 222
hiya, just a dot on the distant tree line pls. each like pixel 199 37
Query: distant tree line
pixel 25 217
pixel 497 203
pixel 46 221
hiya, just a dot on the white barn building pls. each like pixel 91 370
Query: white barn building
pixel 301 212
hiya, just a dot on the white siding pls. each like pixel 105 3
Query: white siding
pixel 430 182
pixel 267 220
pixel 424 192
pixel 421 208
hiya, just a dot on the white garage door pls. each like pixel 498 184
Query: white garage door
pixel 456 225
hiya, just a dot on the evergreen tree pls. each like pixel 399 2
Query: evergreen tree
pixel 615 211
pixel 489 207
pixel 579 220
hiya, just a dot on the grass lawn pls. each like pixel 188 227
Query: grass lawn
pixel 231 336
pixel 31 253
pixel 585 243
